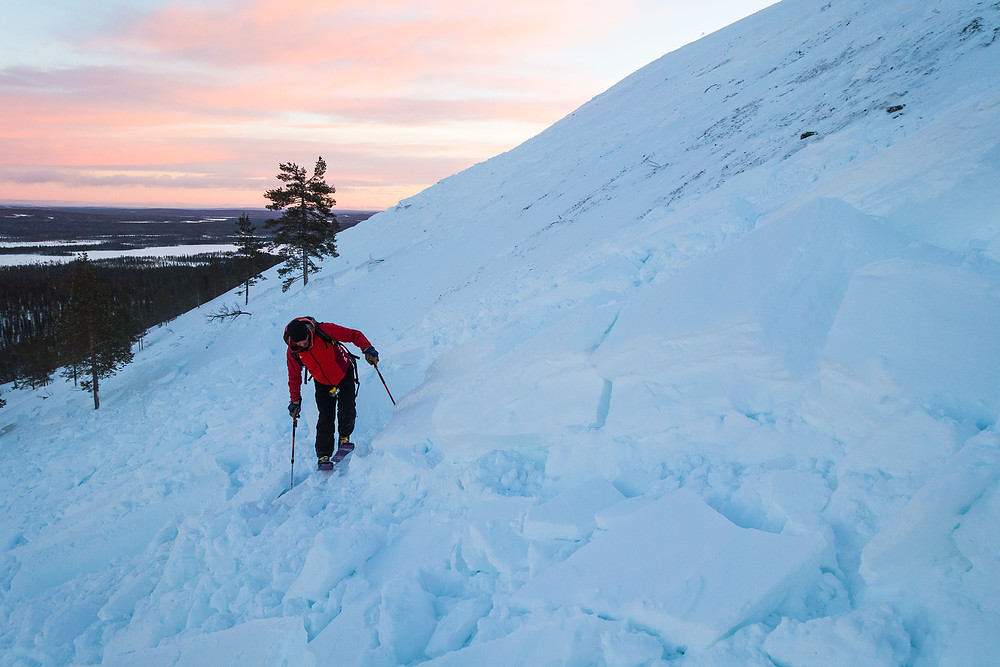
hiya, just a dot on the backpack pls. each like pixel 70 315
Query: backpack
pixel 330 341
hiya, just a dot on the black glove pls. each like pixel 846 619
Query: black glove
pixel 294 408
pixel 371 356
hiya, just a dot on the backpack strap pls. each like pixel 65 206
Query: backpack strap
pixel 305 370
pixel 354 363
pixel 323 335
pixel 319 332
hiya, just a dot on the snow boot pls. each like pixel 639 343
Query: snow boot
pixel 344 447
pixel 324 463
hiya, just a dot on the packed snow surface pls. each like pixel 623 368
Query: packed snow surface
pixel 705 374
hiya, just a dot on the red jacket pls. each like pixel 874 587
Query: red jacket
pixel 328 362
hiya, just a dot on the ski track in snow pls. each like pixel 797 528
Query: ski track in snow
pixel 676 385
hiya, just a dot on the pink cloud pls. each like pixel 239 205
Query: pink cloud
pixel 214 171
pixel 199 96
pixel 386 44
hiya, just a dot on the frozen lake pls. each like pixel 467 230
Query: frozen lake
pixel 158 251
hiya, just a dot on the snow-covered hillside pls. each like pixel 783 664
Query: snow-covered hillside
pixel 705 374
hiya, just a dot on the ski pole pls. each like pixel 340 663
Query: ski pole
pixel 291 483
pixel 384 384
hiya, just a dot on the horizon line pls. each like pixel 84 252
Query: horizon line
pixel 17 203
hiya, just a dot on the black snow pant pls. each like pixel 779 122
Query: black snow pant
pixel 344 403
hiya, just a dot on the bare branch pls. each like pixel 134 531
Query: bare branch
pixel 226 313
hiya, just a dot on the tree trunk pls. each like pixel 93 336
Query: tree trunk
pixel 92 341
pixel 305 268
pixel 93 377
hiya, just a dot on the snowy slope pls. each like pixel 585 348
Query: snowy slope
pixel 675 385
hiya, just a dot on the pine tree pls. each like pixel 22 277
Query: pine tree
pixel 93 336
pixel 37 366
pixel 307 227
pixel 250 249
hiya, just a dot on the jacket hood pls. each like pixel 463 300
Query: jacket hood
pixel 295 328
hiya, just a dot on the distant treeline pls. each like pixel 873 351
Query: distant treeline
pixel 120 228
pixel 150 290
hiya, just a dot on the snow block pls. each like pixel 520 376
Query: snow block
pixel 932 328
pixel 494 541
pixel 574 643
pixel 570 515
pixel 681 569
pixel 352 636
pixel 784 283
pixel 335 554
pixel 277 642
pixel 457 626
pixel 862 638
pixel 406 619
pixel 920 540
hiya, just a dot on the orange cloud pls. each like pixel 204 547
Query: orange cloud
pixel 200 100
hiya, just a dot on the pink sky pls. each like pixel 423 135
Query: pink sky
pixel 195 103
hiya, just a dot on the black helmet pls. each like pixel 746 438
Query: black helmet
pixel 299 329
